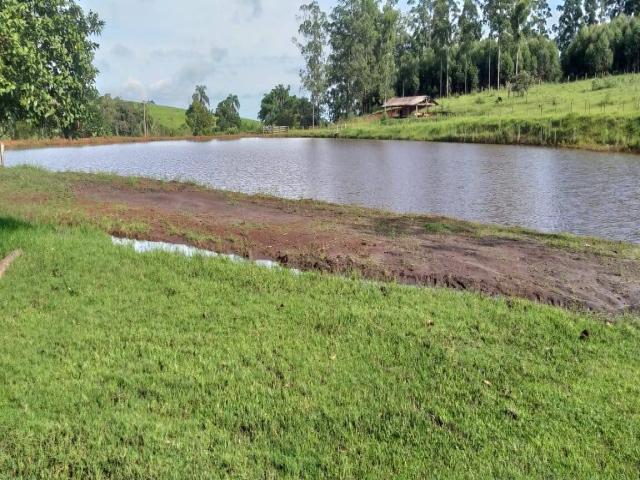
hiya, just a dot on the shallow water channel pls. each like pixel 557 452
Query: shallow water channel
pixel 552 190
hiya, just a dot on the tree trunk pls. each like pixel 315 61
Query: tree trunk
pixel 466 72
pixel 313 115
pixel 447 83
pixel 440 76
pixel 489 65
pixel 499 54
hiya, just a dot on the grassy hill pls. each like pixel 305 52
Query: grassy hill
pixel 172 119
pixel 601 113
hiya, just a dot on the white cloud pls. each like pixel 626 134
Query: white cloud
pixel 160 49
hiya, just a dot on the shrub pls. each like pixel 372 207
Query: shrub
pixel 602 84
pixel 521 83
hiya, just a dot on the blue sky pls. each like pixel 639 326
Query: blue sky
pixel 160 49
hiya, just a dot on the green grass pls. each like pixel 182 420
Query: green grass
pixel 171 119
pixel 119 365
pixel 590 113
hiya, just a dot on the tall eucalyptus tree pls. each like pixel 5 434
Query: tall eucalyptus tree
pixel 312 42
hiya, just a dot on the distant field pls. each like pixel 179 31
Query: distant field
pixel 601 113
pixel 172 119
pixel 616 95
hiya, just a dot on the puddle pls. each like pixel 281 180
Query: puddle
pixel 145 246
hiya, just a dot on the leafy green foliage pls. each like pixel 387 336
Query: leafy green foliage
pixel 200 120
pixel 378 52
pixel 312 45
pixel 569 22
pixel 228 114
pixel 279 107
pixel 603 83
pixel 607 48
pixel 46 64
pixel 521 83
pixel 354 60
pixel 122 118
pixel 200 96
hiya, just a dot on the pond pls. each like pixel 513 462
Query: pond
pixel 551 190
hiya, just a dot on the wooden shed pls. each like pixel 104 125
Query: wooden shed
pixel 402 107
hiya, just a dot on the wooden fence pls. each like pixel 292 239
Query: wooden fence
pixel 273 129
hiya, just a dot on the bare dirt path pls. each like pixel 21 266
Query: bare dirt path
pixel 378 245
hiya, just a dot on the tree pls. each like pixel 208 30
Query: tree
pixel 612 47
pixel 200 96
pixel 280 108
pixel 591 14
pixel 228 113
pixel 497 14
pixel 388 41
pixel 519 17
pixel 200 119
pixel 312 45
pixel 598 55
pixel 540 15
pixel 469 31
pixel 121 118
pixel 615 8
pixel 352 63
pixel 521 83
pixel 420 16
pixel 47 76
pixel 569 22
pixel 441 35
pixel 469 24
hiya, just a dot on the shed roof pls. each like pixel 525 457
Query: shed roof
pixel 408 101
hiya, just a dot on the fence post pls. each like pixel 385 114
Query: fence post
pixel 1 154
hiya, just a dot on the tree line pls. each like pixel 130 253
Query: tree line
pixel 202 120
pixel 364 51
pixel 355 57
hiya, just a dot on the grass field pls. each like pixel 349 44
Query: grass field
pixel 172 120
pixel 120 365
pixel 601 113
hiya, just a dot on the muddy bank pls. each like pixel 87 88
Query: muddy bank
pixel 422 250
pixel 93 141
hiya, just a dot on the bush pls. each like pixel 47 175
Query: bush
pixel 521 83
pixel 603 84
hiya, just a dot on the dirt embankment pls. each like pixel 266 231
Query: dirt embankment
pixel 376 245
pixel 83 142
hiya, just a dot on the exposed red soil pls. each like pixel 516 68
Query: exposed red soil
pixel 377 245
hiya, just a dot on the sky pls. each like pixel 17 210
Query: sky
pixel 161 49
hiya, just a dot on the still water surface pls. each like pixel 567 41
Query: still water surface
pixel 546 189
